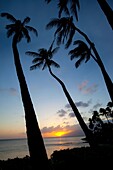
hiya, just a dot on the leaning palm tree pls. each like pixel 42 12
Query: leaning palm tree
pixel 35 141
pixel 65 32
pixel 63 6
pixel 43 59
pixel 107 11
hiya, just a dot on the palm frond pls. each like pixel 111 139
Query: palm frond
pixel 26 20
pixel 75 6
pixel 55 50
pixel 20 36
pixel 32 29
pixel 53 22
pixel 63 9
pixel 37 60
pixel 82 51
pixel 53 63
pixel 62 5
pixel 70 38
pixel 8 16
pixel 26 35
pixel 44 66
pixel 35 66
pixel 10 26
pixel 78 63
pixel 10 32
pixel 48 1
pixel 34 54
pixel 42 51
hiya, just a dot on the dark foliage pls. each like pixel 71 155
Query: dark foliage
pixel 101 124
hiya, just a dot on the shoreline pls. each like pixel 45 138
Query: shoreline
pixel 66 159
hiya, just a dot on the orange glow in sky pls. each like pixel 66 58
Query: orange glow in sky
pixel 60 133
pixel 56 134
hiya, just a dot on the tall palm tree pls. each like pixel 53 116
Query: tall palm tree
pixel 43 59
pixel 35 141
pixel 67 6
pixel 107 11
pixel 65 32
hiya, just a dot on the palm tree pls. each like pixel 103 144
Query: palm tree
pixel 43 59
pixel 75 6
pixel 35 141
pixel 67 6
pixel 107 11
pixel 65 31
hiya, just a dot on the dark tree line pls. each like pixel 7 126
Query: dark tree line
pixel 101 124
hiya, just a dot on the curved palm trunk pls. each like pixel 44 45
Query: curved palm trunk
pixel 108 81
pixel 35 141
pixel 84 127
pixel 107 11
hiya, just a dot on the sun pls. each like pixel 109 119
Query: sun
pixel 60 133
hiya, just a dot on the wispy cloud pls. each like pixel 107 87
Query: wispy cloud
pixel 83 87
pixel 12 91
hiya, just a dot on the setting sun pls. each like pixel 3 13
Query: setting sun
pixel 56 133
pixel 60 133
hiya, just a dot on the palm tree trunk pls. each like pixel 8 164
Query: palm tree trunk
pixel 108 81
pixel 84 127
pixel 36 146
pixel 107 11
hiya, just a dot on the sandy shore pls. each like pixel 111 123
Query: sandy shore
pixel 84 157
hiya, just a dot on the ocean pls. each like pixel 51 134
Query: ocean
pixel 12 148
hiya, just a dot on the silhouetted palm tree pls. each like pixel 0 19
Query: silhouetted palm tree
pixel 67 6
pixel 65 31
pixel 43 59
pixel 107 11
pixel 36 146
pixel 75 6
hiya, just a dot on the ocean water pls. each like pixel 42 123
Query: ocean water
pixel 12 148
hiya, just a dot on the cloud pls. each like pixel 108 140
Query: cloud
pixel 91 89
pixel 83 87
pixel 71 114
pixel 73 130
pixel 12 91
pixel 79 104
pixel 83 104
pixel 67 106
pixel 95 107
pixel 61 112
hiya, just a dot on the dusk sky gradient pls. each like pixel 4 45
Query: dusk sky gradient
pixel 85 84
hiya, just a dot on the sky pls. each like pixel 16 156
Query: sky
pixel 85 84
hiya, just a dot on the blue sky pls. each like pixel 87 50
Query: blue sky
pixel 85 84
